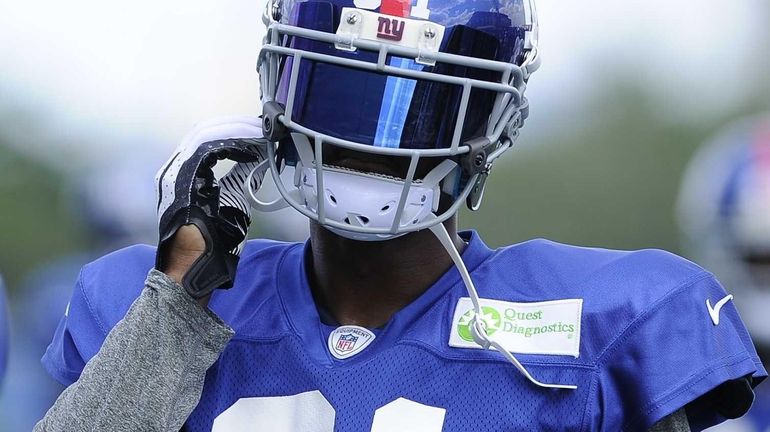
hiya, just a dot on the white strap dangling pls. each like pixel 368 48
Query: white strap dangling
pixel 251 196
pixel 479 333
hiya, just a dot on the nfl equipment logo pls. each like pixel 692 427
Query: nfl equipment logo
pixel 346 343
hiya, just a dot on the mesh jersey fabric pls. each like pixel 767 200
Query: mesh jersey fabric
pixel 648 344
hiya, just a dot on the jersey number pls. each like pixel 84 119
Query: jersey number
pixel 311 412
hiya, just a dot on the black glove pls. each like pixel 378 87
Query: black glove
pixel 189 193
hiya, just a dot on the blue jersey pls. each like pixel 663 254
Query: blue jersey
pixel 641 334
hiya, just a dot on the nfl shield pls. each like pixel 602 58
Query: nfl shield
pixel 346 343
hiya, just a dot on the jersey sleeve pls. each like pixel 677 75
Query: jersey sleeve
pixel 681 350
pixel 104 291
pixel 171 342
pixel 77 335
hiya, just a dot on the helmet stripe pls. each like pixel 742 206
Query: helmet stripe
pixel 395 105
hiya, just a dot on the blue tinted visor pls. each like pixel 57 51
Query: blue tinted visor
pixel 383 110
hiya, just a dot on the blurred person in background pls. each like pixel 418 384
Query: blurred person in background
pixel 114 199
pixel 4 332
pixel 724 217
pixel 44 291
pixel 114 202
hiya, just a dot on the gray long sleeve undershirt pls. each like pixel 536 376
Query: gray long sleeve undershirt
pixel 148 374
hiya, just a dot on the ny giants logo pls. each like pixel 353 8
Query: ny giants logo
pixel 390 28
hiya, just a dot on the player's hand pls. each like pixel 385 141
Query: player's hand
pixel 184 248
pixel 203 221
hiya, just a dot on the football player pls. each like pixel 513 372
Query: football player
pixel 390 114
pixel 724 215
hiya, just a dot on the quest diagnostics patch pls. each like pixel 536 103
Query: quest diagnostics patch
pixel 550 327
pixel 349 340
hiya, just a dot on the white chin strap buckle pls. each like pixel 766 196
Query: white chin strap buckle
pixel 363 200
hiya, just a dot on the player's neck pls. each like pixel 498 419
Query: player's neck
pixel 365 283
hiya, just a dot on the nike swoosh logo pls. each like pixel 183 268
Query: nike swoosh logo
pixel 714 312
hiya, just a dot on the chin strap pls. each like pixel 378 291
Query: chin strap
pixel 477 328
pixel 251 193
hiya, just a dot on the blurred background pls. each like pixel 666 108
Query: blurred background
pixel 95 95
